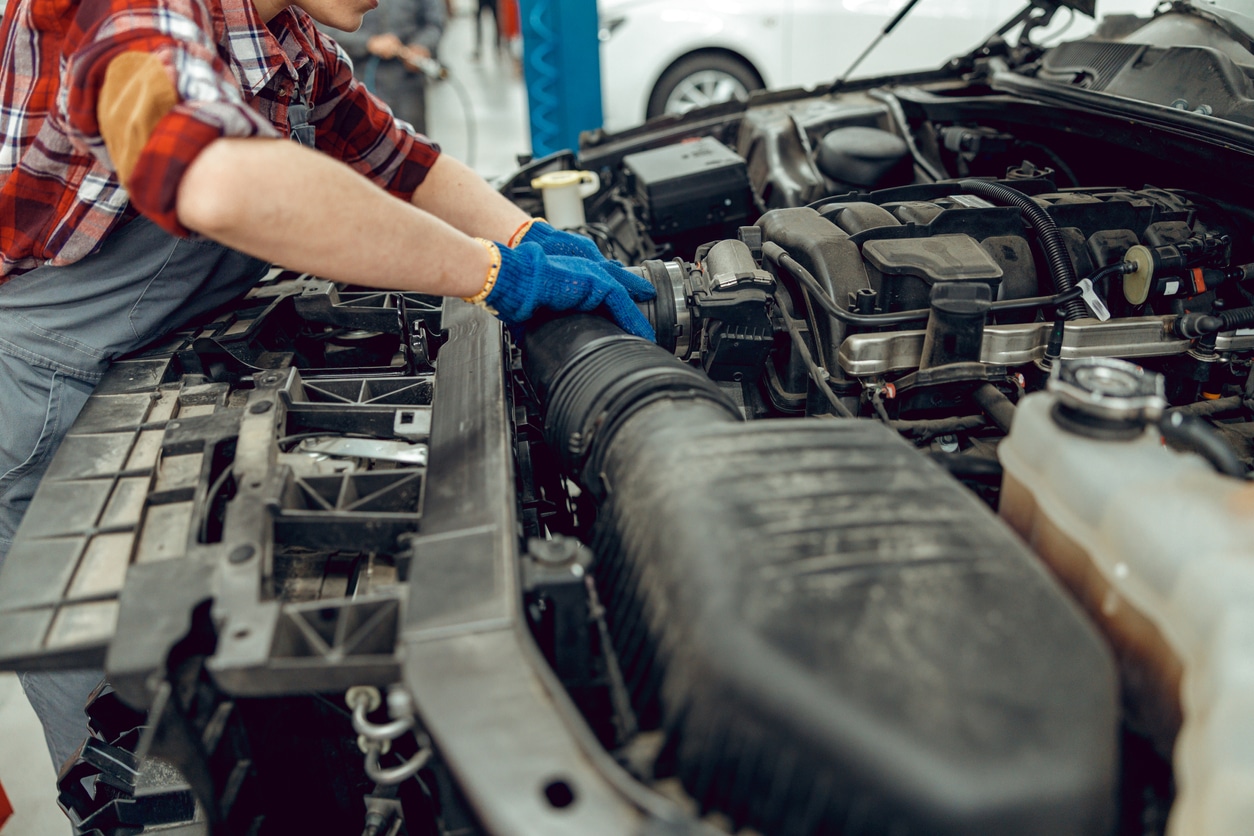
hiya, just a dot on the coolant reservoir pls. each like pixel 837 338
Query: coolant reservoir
pixel 1159 549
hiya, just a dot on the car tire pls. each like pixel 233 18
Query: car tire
pixel 702 78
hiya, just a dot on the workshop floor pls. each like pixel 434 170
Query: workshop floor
pixel 490 141
pixel 497 131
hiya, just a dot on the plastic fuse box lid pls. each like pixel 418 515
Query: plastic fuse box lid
pixel 690 185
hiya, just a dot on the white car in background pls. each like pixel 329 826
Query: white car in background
pixel 669 56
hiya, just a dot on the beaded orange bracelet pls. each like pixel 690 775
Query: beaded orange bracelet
pixel 494 270
pixel 521 232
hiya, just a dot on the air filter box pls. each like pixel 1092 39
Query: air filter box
pixel 690 185
pixel 837 638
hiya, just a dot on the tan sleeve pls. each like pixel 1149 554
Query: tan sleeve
pixel 135 95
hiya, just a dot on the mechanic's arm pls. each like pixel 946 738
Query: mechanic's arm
pixel 215 166
pixel 454 192
pixel 276 200
pixel 279 201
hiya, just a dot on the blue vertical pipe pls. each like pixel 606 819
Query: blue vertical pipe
pixel 562 69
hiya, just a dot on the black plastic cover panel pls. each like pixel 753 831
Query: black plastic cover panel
pixel 690 185
pixel 941 258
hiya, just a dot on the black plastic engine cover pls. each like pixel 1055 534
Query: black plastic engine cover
pixel 839 639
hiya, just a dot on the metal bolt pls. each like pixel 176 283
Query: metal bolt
pixel 367 695
pixel 400 703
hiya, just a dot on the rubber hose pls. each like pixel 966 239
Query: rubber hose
pixel 1236 318
pixel 995 405
pixel 1193 433
pixel 1192 325
pixel 592 378
pixel 1060 266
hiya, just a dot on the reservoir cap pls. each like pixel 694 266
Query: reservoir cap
pixel 1106 395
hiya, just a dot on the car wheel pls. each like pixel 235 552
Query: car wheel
pixel 701 79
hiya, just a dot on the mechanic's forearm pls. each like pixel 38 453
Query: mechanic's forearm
pixel 454 192
pixel 273 199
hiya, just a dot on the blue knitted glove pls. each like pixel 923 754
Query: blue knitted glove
pixel 556 242
pixel 529 280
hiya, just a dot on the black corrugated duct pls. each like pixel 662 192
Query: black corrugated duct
pixel 835 636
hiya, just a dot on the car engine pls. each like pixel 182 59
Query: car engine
pixel 923 514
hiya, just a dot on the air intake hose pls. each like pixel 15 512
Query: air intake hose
pixel 593 377
pixel 1056 254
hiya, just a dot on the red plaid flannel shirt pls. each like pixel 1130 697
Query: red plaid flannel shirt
pixel 235 77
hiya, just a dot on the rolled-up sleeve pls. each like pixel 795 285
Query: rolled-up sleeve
pixel 206 104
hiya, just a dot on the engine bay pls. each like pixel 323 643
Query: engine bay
pixel 927 257
pixel 924 513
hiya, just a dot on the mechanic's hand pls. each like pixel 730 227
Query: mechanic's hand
pixel 529 280
pixel 557 242
pixel 413 55
pixel 386 45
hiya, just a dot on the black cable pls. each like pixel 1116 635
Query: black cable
pixel 1030 302
pixel 812 321
pixel 1117 269
pixel 926 428
pixel 877 402
pixel 774 252
pixel 608 243
pixel 816 374
pixel 1055 247
pixel 898 114
pixel 1193 325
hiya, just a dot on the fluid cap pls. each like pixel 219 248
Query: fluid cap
pixel 1106 398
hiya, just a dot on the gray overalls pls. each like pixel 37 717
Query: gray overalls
pixel 59 329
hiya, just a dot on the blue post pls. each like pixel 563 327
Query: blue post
pixel 562 68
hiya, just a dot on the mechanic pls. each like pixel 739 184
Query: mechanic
pixel 147 177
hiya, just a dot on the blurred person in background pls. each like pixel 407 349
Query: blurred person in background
pixel 489 6
pixel 509 29
pixel 389 49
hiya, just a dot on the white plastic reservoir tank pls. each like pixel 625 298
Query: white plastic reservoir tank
pixel 1159 549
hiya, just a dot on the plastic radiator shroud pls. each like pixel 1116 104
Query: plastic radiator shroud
pixel 837 638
